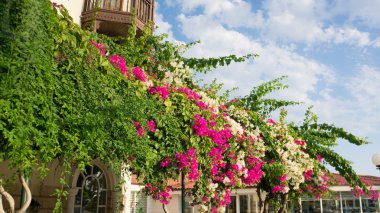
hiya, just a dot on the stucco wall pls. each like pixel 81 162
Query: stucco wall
pixel 155 206
pixel 74 7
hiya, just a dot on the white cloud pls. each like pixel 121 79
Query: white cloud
pixel 305 21
pixel 287 21
pixel 163 26
pixel 233 13
pixel 364 11
pixel 357 111
pixel 364 87
pixel 304 74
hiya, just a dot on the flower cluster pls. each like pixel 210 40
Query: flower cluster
pixel 151 125
pixel 161 90
pixel 176 76
pixel 141 130
pixel 119 62
pixel 165 163
pixel 162 195
pixel 139 74
pixel 188 161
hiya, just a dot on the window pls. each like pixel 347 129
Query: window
pixel 242 204
pixel 92 191
pixel 188 207
pixel 138 202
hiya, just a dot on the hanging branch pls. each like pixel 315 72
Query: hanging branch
pixel 1 205
pixel 164 207
pixel 258 191
pixel 28 194
pixel 284 199
pixel 8 197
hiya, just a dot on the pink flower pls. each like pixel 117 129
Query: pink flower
pixel 162 91
pixel 271 121
pixel 119 62
pixel 319 158
pixel 357 191
pixel 139 74
pixel 140 131
pixel 200 126
pixel 191 95
pixel 214 210
pixel 254 175
pixel 299 142
pixel 317 195
pixel 277 188
pixel 99 46
pixel 308 174
pixel 165 163
pixel 283 178
pixel 373 194
pixel 181 160
pixel 136 124
pixel 151 125
pixel 54 4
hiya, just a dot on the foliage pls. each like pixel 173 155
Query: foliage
pixel 77 96
pixel 255 100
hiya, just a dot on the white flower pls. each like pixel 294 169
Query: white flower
pixel 226 180
pixel 236 128
pixel 204 208
pixel 221 209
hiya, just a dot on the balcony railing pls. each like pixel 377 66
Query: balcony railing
pixel 119 11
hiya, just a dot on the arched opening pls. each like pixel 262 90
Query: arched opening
pixel 91 195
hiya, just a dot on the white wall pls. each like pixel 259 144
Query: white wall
pixel 75 8
pixel 154 206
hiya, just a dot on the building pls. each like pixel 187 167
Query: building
pixel 110 17
pixel 341 200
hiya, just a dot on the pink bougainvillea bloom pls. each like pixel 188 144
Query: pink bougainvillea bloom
pixel 139 74
pixel 299 142
pixel 319 157
pixel 120 63
pixel 271 121
pixel 140 131
pixel 308 174
pixel 357 191
pixel 373 195
pixel 165 163
pixel 151 125
pixel 136 124
pixel 214 210
pixel 162 91
pixel 277 188
pixel 317 195
pixel 54 4
pixel 283 178
pixel 99 46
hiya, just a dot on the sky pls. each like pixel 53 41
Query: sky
pixel 330 51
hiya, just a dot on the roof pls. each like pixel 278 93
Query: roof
pixel 174 184
pixel 367 179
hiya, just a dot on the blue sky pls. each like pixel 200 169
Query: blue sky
pixel 329 50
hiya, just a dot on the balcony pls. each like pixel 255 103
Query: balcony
pixel 114 17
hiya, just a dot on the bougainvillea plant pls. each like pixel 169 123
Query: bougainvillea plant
pixel 77 96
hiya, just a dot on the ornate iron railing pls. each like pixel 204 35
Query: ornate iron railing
pixel 144 8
